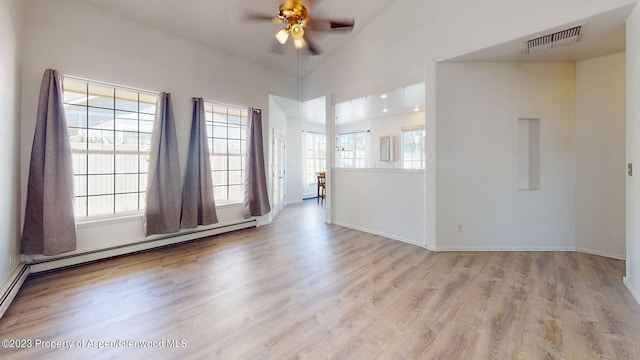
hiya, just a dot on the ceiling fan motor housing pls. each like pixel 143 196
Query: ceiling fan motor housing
pixel 293 12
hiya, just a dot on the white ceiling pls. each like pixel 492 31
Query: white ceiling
pixel 601 35
pixel 398 101
pixel 208 23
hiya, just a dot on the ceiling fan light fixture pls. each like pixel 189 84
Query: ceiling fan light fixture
pixel 297 32
pixel 282 36
pixel 299 43
pixel 297 24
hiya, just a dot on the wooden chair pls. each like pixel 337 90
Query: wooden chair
pixel 322 186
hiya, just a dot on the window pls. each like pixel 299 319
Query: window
pixel 352 150
pixel 315 152
pixel 227 134
pixel 413 148
pixel 110 133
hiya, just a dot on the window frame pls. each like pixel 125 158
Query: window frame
pixel 358 154
pixel 420 161
pixel 318 155
pixel 88 106
pixel 214 136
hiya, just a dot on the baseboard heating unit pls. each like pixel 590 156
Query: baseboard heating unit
pixel 12 286
pixel 41 265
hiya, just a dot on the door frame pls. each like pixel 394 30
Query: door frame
pixel 278 182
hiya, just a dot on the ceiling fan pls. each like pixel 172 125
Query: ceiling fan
pixel 297 24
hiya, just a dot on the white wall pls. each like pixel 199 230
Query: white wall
pixel 633 153
pixel 278 128
pixel 387 202
pixel 295 154
pixel 382 199
pixel 600 155
pixel 81 40
pixel 478 107
pixel 396 41
pixel 432 31
pixel 10 29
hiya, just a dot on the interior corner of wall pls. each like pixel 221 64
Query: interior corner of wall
pixel 634 292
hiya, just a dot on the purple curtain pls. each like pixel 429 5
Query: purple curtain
pixel 49 224
pixel 256 199
pixel 198 205
pixel 162 213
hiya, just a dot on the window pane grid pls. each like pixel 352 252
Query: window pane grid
pixel 413 149
pixel 352 150
pixel 110 132
pixel 226 128
pixel 315 144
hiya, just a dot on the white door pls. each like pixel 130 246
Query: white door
pixel 279 165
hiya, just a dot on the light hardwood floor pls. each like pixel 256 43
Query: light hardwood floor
pixel 299 288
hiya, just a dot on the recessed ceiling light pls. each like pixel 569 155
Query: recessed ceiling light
pixel 416 109
pixel 385 110
pixel 383 96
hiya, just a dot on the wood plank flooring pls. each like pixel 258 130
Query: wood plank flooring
pixel 301 289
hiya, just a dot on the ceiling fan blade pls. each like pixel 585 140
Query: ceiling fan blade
pixel 237 16
pixel 313 48
pixel 332 25
pixel 346 25
pixel 276 48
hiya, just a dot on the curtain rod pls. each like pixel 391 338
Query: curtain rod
pixel 145 90
pixel 227 105
pixel 354 132
pixel 110 84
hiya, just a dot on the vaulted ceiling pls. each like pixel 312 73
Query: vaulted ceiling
pixel 210 23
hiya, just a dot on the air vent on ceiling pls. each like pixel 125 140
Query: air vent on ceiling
pixel 560 38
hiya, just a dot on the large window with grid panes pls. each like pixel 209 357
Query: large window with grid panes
pixel 227 135
pixel 110 133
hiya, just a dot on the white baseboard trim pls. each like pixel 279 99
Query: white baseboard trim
pixel 586 251
pixel 462 248
pixel 11 287
pixel 374 232
pixel 635 293
pixel 75 259
pixel 471 249
pixel 602 253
